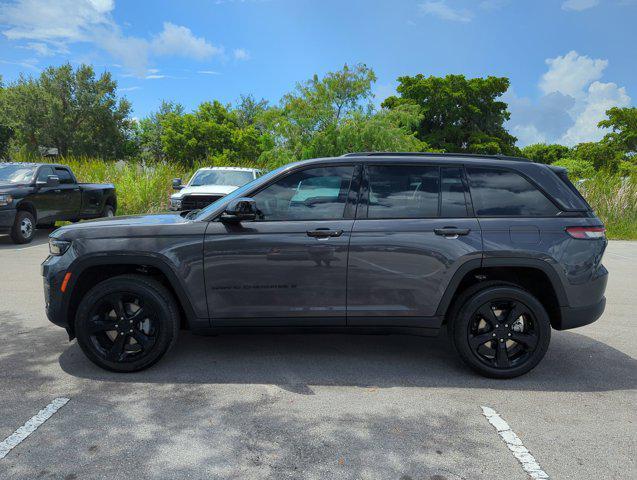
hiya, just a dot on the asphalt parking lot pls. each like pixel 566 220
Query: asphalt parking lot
pixel 324 406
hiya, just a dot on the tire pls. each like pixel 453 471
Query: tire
pixel 23 229
pixel 109 211
pixel 148 330
pixel 505 343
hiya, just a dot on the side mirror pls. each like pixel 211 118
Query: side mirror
pixel 51 181
pixel 177 184
pixel 240 209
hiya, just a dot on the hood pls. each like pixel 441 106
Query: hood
pixel 205 190
pixel 6 186
pixel 119 226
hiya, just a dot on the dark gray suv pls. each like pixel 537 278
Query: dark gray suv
pixel 499 249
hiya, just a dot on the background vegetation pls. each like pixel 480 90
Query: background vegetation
pixel 81 116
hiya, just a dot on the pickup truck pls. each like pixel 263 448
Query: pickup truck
pixel 36 195
pixel 208 185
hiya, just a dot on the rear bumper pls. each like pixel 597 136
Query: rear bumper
pixel 7 217
pixel 573 317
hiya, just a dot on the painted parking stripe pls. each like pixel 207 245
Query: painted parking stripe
pixel 31 426
pixel 528 462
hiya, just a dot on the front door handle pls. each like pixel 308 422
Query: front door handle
pixel 451 232
pixel 324 233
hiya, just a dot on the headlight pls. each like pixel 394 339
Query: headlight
pixel 5 199
pixel 58 247
pixel 175 202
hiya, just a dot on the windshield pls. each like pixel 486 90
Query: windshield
pixel 231 178
pixel 239 192
pixel 16 173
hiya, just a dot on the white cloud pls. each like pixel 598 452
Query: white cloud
pixel 208 72
pixel 440 9
pixel 179 40
pixel 493 4
pixel 579 5
pixel 45 49
pixel 49 27
pixel 573 102
pixel 600 97
pixel 241 54
pixel 129 89
pixel 571 73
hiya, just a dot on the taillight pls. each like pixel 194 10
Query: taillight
pixel 586 233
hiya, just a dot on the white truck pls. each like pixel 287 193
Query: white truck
pixel 208 185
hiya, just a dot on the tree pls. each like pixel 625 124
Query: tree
pixel 602 155
pixel 458 114
pixel 249 109
pixel 150 130
pixel 577 168
pixel 212 130
pixel 543 153
pixel 68 109
pixel 623 122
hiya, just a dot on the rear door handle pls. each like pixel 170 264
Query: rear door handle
pixel 324 233
pixel 451 232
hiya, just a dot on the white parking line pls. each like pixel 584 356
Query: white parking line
pixel 528 462
pixel 31 426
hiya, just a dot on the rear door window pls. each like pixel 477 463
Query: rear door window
pixel 503 193
pixel 403 191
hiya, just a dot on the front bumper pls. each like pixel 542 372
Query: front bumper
pixel 573 317
pixel 56 306
pixel 7 217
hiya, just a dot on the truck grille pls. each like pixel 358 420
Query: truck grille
pixel 193 202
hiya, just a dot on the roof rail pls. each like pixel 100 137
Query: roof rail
pixel 434 154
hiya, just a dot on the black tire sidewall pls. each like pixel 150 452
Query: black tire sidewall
pixel 152 291
pixel 108 208
pixel 16 232
pixel 459 330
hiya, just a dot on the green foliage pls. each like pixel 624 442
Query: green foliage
pixel 458 114
pixel 150 131
pixel 212 130
pixel 577 168
pixel 543 153
pixel 69 109
pixel 623 122
pixel 601 155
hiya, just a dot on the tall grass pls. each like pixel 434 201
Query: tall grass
pixel 614 200
pixel 147 188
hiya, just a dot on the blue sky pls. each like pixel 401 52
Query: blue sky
pixel 568 60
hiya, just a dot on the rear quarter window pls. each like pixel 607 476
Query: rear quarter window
pixel 504 193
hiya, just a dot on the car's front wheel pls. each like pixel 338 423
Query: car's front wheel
pixel 500 330
pixel 127 323
pixel 23 229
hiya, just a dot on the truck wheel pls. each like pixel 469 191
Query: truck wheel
pixel 23 228
pixel 109 211
pixel 500 330
pixel 127 323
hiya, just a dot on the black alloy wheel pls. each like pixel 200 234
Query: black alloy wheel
pixel 499 329
pixel 127 323
pixel 122 327
pixel 502 333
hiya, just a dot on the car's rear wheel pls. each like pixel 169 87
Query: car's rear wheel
pixel 127 323
pixel 23 228
pixel 500 330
